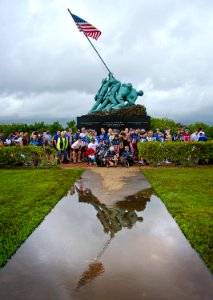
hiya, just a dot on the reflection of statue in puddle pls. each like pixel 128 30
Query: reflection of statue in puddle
pixel 113 219
pixel 124 214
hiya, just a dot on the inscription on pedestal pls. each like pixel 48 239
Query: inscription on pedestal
pixel 114 122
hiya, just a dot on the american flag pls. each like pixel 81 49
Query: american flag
pixel 86 28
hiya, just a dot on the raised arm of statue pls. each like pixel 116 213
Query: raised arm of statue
pixel 111 76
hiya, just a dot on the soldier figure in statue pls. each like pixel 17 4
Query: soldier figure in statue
pixel 99 97
pixel 110 99
pixel 123 92
pixel 130 98
pixel 133 95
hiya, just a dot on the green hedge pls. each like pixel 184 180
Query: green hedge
pixel 29 156
pixel 180 153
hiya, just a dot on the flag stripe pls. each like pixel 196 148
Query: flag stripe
pixel 86 28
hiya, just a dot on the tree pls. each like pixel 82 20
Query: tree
pixel 163 123
pixel 53 128
pixel 72 125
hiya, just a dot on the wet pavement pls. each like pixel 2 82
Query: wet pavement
pixel 109 238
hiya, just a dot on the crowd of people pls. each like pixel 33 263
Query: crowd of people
pixel 109 148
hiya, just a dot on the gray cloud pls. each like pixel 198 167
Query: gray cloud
pixel 49 70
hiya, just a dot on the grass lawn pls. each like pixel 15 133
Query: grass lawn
pixel 188 195
pixel 26 197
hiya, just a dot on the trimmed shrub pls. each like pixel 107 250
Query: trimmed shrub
pixel 28 156
pixel 180 153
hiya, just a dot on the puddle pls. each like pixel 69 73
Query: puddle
pixel 114 244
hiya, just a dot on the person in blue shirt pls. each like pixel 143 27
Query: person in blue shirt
pixel 111 157
pixel 55 138
pixel 69 136
pixel 116 142
pixel 134 138
pixel 103 135
pixel 101 154
pixel 34 139
pixel 202 138
pixel 76 135
pixel 126 156
pixel 158 135
pixel 85 141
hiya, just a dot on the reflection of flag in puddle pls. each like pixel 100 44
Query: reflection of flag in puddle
pixel 94 270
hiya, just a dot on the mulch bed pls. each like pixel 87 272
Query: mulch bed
pixel 86 165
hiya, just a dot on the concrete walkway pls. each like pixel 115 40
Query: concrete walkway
pixel 109 238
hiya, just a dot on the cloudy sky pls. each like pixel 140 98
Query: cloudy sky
pixel 49 71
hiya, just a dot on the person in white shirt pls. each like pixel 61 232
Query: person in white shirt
pixel 150 137
pixel 76 150
pixel 93 144
pixel 194 137
pixel 8 141
pixel 83 132
pixel 19 138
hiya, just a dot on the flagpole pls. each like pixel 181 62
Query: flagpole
pixel 94 48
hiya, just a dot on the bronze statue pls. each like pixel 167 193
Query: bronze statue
pixel 114 95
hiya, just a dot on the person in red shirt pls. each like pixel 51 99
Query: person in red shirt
pixel 186 136
pixel 91 156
